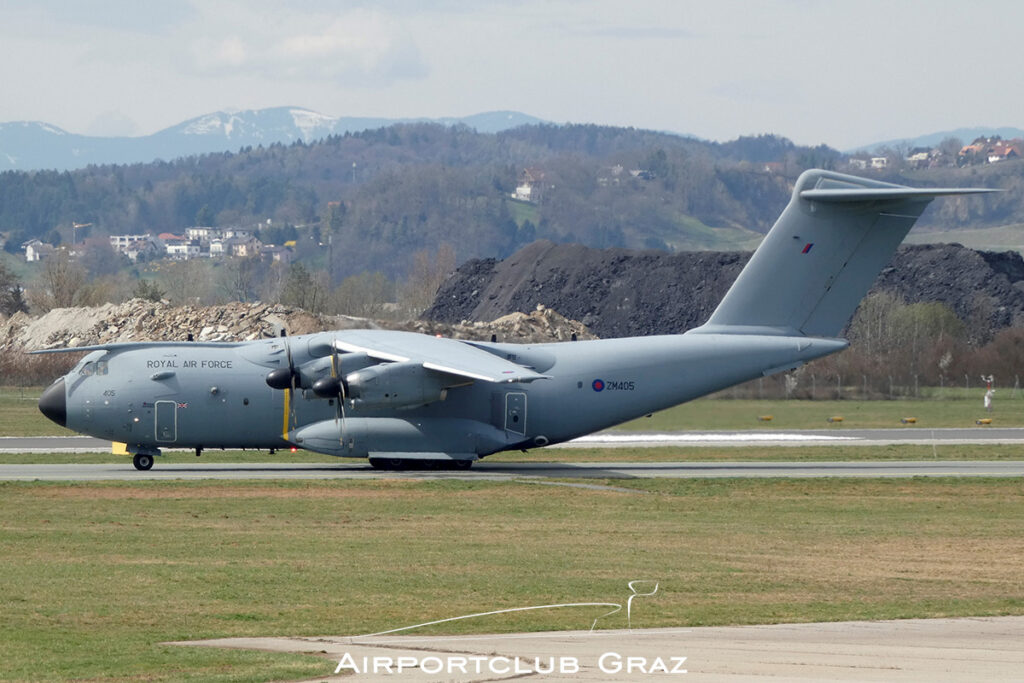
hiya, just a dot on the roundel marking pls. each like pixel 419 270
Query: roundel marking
pixel 598 385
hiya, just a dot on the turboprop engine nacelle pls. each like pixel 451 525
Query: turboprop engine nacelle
pixel 397 385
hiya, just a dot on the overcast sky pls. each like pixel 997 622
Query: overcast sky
pixel 842 73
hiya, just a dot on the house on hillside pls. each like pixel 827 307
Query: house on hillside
pixel 182 249
pixel 133 246
pixel 275 254
pixel 239 233
pixel 203 235
pixel 1004 150
pixel 37 250
pixel 990 150
pixel 919 157
pixel 241 246
pixel 529 187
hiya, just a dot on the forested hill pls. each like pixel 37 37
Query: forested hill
pixel 388 193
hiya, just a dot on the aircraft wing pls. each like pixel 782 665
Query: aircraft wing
pixel 435 353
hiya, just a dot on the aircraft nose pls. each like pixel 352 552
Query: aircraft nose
pixel 54 403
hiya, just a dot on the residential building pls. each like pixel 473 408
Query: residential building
pixel 37 250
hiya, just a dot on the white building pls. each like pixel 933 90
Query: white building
pixel 36 250
pixel 182 249
pixel 201 234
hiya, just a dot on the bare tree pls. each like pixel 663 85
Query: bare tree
pixel 429 271
pixel 60 281
pixel 186 282
pixel 363 295
pixel 238 279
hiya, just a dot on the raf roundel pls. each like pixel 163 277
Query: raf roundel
pixel 598 385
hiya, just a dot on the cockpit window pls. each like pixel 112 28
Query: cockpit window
pixel 98 367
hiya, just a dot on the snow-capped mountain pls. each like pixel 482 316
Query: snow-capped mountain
pixel 32 145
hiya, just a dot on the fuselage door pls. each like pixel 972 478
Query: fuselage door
pixel 166 421
pixel 515 412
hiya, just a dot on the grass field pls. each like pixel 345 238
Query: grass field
pixel 956 408
pixel 1001 238
pixel 20 416
pixel 96 576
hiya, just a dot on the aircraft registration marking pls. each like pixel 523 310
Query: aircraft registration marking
pixel 610 385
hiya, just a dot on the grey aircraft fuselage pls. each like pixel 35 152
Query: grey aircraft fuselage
pixel 398 396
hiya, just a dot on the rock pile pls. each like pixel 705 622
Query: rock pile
pixel 140 320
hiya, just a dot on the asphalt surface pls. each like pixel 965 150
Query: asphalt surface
pixel 517 471
pixel 811 437
pixel 973 649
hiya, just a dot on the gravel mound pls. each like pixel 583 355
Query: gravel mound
pixel 620 292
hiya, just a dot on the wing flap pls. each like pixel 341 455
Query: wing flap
pixel 449 356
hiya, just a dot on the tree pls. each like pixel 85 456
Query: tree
pixel 11 292
pixel 303 289
pixel 363 295
pixel 238 279
pixel 204 217
pixel 186 282
pixel 950 149
pixel 148 290
pixel 99 258
pixel 61 280
pixel 429 271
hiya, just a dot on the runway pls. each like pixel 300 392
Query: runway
pixel 526 471
pixel 611 439
pixel 909 435
pixel 969 649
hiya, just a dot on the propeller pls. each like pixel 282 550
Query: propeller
pixel 285 379
pixel 335 387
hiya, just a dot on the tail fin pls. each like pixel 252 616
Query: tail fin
pixel 821 257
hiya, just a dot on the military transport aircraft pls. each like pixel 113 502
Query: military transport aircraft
pixel 396 397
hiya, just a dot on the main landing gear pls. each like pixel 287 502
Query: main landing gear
pixel 395 464
pixel 143 461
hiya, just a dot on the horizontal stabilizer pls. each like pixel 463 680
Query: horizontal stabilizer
pixel 886 193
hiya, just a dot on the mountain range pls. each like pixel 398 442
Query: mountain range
pixel 965 135
pixel 34 145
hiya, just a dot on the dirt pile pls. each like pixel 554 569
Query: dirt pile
pixel 139 320
pixel 619 292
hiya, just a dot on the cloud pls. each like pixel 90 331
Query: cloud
pixel 362 47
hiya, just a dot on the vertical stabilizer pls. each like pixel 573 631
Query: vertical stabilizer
pixel 822 255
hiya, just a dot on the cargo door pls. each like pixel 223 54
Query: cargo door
pixel 166 421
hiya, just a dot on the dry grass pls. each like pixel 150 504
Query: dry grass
pixel 107 571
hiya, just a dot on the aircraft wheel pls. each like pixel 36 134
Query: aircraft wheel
pixel 462 464
pixel 142 461
pixel 387 463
